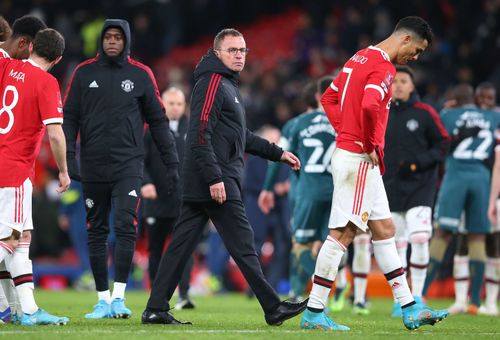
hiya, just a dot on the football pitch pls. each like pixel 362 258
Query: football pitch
pixel 233 316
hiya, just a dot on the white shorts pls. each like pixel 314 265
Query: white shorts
pixel 358 191
pixel 15 209
pixel 414 220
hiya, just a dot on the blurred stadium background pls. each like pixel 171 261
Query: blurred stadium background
pixel 291 42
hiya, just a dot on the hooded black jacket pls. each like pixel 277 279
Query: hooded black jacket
pixel 108 100
pixel 218 136
pixel 415 135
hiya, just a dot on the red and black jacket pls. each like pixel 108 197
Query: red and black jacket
pixel 218 137
pixel 108 101
pixel 415 143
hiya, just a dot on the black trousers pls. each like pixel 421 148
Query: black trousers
pixel 123 196
pixel 159 228
pixel 233 227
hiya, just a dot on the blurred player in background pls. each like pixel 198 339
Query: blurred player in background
pixel 486 99
pixel 272 225
pixel 31 104
pixel 465 187
pixel 416 142
pixel 311 137
pixel 161 204
pixel 357 104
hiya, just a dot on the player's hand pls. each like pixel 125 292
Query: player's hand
pixel 218 192
pixel 290 159
pixel 64 182
pixel 266 201
pixel 282 188
pixel 149 191
pixel 492 212
pixel 63 222
pixel 373 158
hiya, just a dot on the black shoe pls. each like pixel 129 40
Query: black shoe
pixel 285 311
pixel 161 317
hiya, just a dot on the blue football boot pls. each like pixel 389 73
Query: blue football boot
pixel 320 321
pixel 101 311
pixel 417 315
pixel 119 310
pixel 41 317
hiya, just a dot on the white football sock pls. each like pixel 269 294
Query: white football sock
pixel 388 261
pixel 492 276
pixel 118 290
pixel 104 295
pixel 419 260
pixel 327 264
pixel 461 276
pixel 361 264
pixel 21 269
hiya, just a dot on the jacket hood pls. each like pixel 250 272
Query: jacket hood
pixel 123 25
pixel 414 97
pixel 210 63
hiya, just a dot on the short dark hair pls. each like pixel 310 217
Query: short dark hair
pixel 406 69
pixel 48 44
pixel 27 26
pixel 309 95
pixel 224 33
pixel 416 25
pixel 5 30
pixel 485 85
pixel 324 83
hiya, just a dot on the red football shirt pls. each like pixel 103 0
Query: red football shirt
pixel 358 100
pixel 30 99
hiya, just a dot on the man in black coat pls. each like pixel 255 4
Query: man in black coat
pixel 212 179
pixel 161 204
pixel 108 100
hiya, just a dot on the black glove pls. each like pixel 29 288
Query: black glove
pixel 74 169
pixel 172 177
pixel 408 167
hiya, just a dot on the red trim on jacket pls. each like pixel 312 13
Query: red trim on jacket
pixel 86 62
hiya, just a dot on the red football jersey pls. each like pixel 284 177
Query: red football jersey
pixel 30 100
pixel 3 54
pixel 358 100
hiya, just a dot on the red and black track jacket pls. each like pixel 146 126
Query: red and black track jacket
pixel 416 135
pixel 218 136
pixel 107 101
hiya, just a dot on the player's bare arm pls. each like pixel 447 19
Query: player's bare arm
pixel 58 147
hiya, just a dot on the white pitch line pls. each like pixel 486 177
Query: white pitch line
pixel 214 331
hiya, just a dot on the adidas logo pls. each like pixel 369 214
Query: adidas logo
pixel 395 285
pixel 93 85
pixel 236 100
pixel 132 193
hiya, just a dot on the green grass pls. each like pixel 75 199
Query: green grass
pixel 233 317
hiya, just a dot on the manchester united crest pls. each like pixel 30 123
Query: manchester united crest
pixel 127 85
